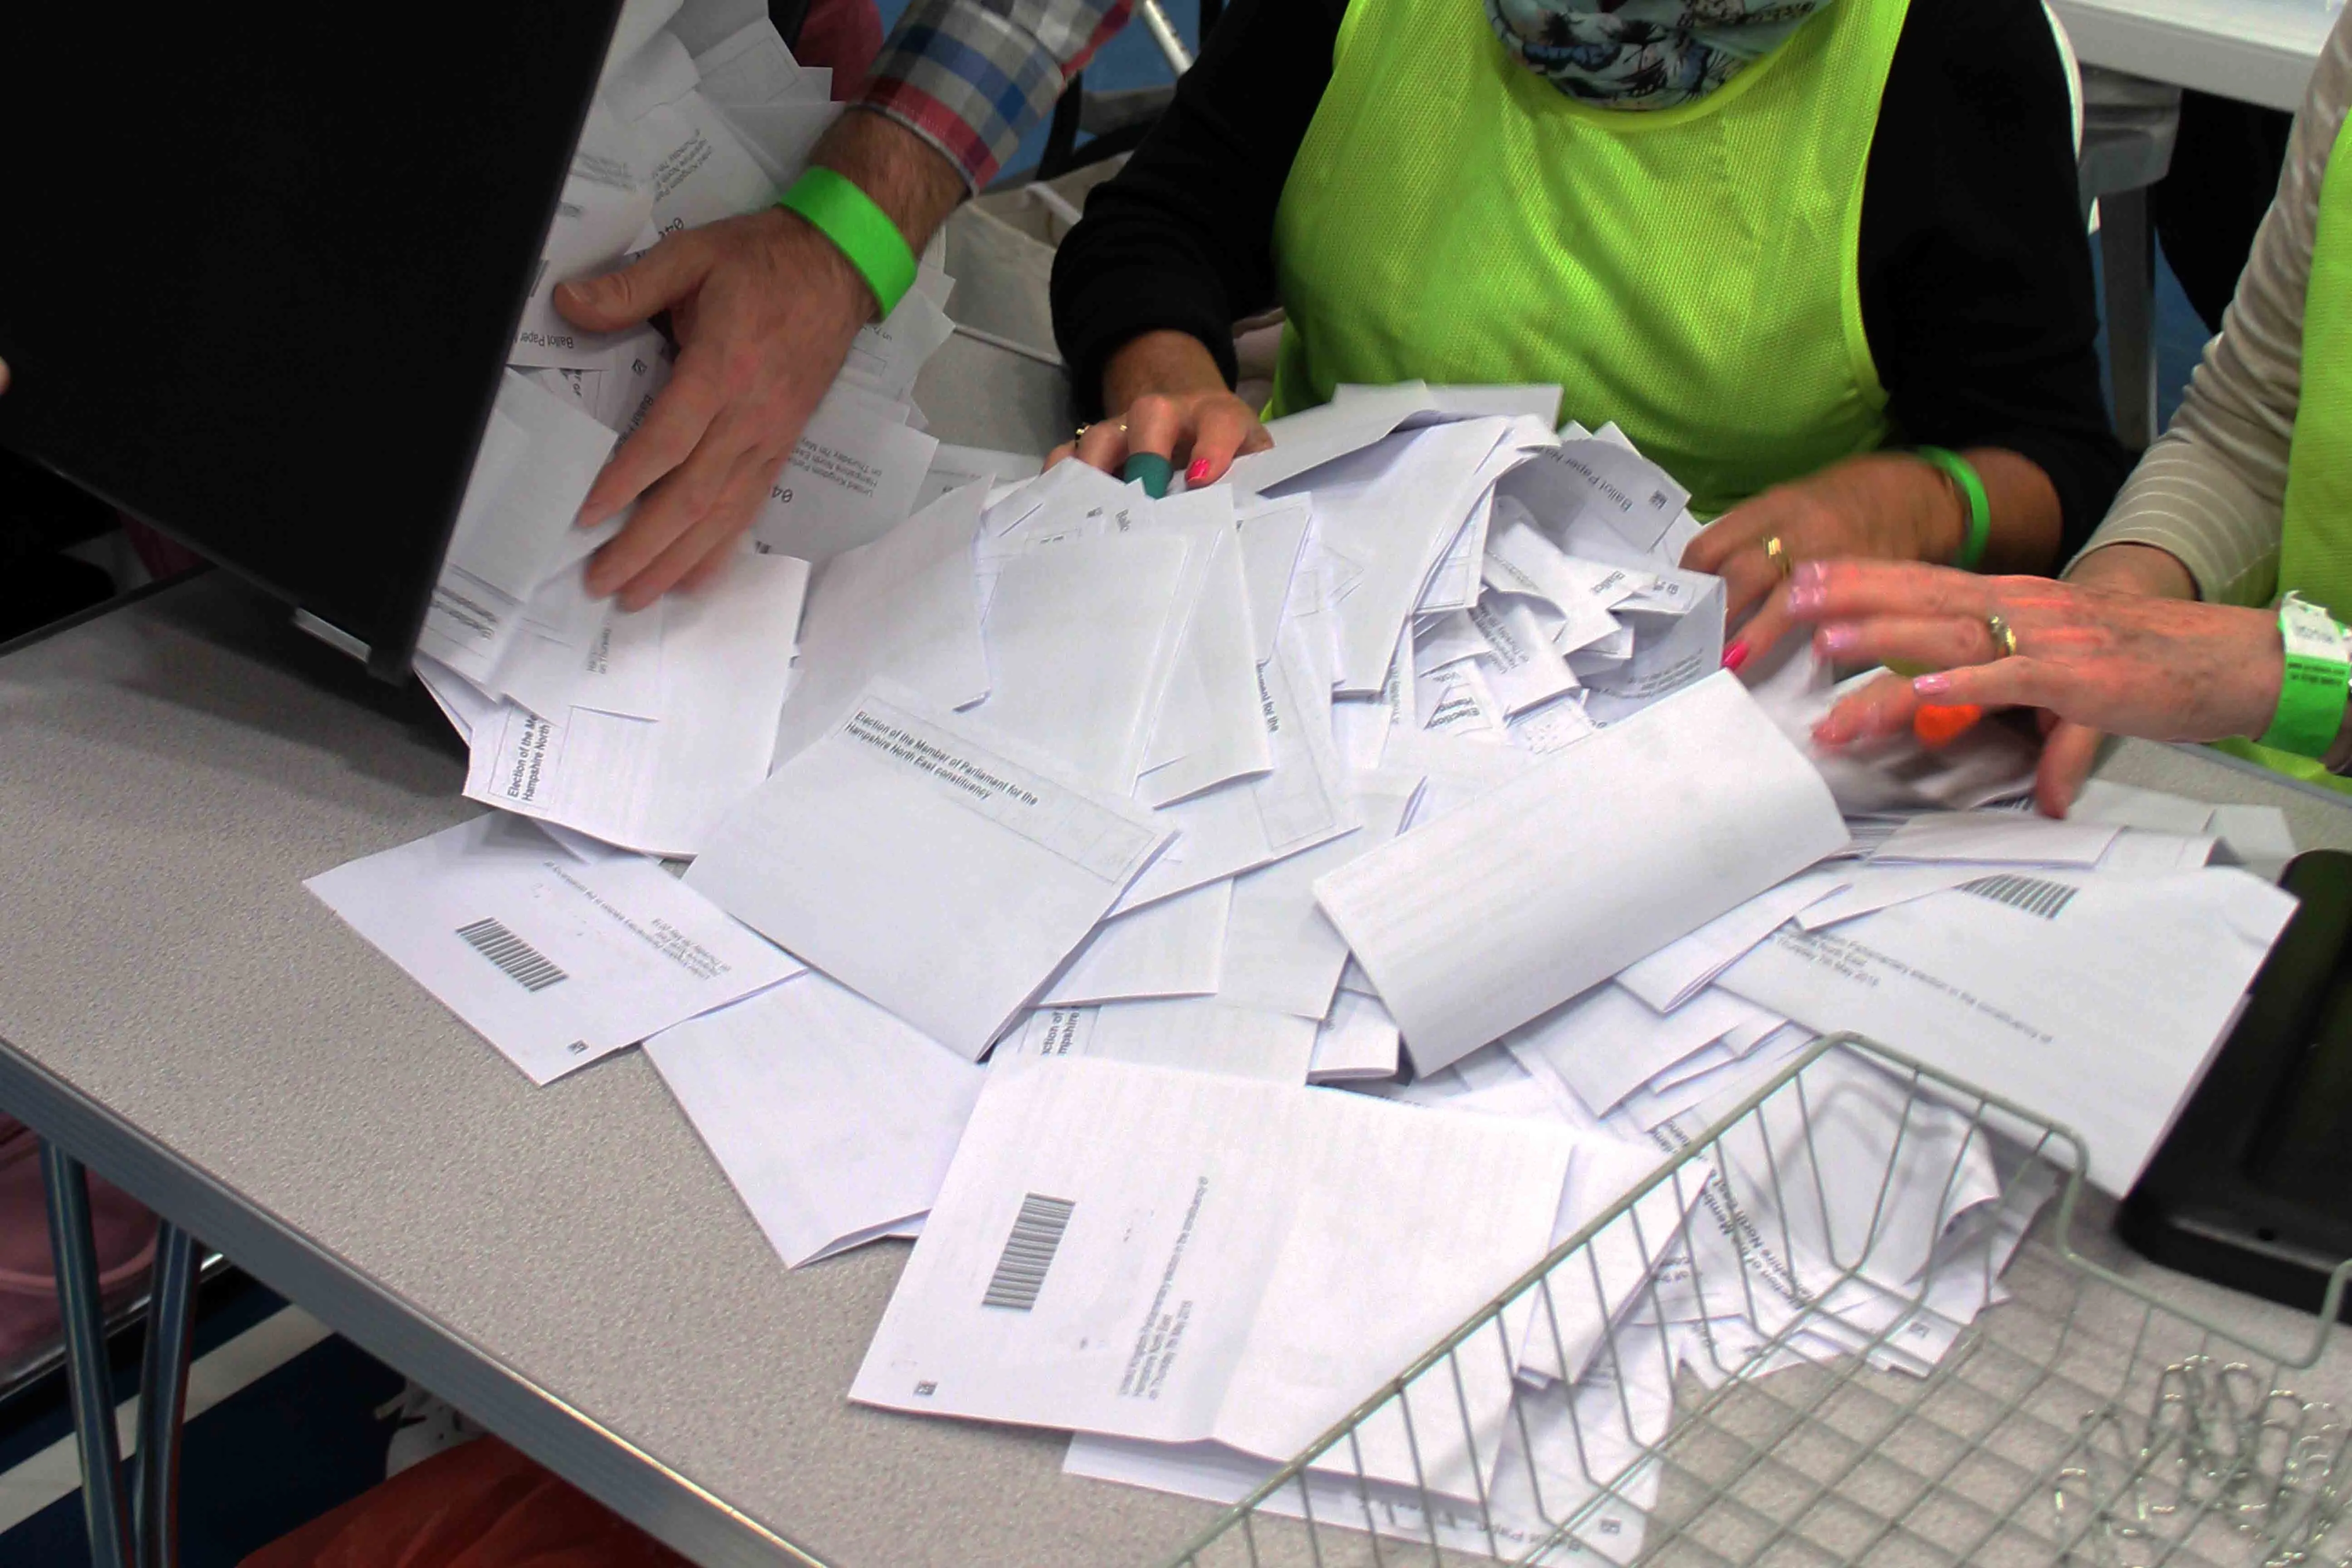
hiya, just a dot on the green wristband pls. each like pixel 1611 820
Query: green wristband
pixel 2311 696
pixel 864 232
pixel 1963 475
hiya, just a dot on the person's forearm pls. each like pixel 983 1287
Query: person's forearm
pixel 905 175
pixel 2132 568
pixel 1170 363
pixel 2022 507
pixel 2024 512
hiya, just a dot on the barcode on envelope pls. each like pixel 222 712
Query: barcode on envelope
pixel 522 964
pixel 1028 1252
pixel 2035 895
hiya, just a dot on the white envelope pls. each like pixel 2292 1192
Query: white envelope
pixel 903 607
pixel 834 1121
pixel 556 955
pixel 2092 999
pixel 934 866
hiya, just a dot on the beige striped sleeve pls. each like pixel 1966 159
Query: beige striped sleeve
pixel 2210 490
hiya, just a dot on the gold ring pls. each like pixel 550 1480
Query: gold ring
pixel 2004 639
pixel 1777 554
pixel 1079 433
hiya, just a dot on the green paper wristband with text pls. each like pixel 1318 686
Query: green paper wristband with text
pixel 2313 692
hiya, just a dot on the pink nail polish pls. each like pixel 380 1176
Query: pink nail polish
pixel 1932 685
pixel 1839 639
pixel 1803 597
pixel 1197 472
pixel 1735 655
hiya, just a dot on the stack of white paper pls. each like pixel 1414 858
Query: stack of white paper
pixel 639 729
pixel 654 772
pixel 1170 808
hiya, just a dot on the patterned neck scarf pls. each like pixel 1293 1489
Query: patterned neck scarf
pixel 1642 53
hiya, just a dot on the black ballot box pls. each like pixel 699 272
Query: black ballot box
pixel 263 263
pixel 2253 1185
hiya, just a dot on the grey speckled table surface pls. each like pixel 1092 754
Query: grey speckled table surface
pixel 566 1262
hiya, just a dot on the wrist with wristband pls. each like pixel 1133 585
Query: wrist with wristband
pixel 835 207
pixel 2313 687
pixel 1968 488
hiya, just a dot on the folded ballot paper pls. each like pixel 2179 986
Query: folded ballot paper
pixel 711 663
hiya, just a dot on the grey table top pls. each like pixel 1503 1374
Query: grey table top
pixel 567 1263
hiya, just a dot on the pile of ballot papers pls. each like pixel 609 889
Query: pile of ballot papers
pixel 639 729
pixel 1243 932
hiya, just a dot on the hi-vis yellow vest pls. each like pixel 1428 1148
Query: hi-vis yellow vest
pixel 2316 543
pixel 1689 272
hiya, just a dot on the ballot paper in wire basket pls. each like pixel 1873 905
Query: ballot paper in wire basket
pixel 1829 1342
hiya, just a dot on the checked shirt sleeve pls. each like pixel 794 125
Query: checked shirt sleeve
pixel 971 77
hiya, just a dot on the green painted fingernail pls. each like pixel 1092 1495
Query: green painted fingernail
pixel 1150 471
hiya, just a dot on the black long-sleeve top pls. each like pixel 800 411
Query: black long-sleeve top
pixel 1975 273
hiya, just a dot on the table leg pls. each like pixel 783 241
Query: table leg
pixel 163 1398
pixel 2127 257
pixel 88 1379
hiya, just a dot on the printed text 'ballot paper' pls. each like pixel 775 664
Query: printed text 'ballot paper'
pixel 1476 923
pixel 1147 1252
pixel 555 953
pixel 934 868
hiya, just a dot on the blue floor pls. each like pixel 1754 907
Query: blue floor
pixel 284 1449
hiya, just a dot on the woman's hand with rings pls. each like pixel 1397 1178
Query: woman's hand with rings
pixel 2162 668
pixel 1174 402
pixel 1887 505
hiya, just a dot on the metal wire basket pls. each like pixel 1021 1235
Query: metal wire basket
pixel 1761 1355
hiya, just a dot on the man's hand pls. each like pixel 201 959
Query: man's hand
pixel 764 308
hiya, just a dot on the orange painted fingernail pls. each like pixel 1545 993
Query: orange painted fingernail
pixel 1735 655
pixel 1940 725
